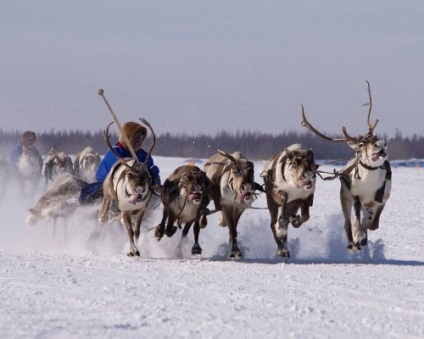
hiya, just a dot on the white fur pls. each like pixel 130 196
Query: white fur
pixel 187 208
pixel 289 185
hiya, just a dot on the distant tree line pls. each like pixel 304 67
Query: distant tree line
pixel 255 145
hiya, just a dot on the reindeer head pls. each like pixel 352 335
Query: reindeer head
pixel 193 184
pixel 57 164
pixel 302 167
pixel 137 184
pixel 90 162
pixel 241 180
pixel 370 150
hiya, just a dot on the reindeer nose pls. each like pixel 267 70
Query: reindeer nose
pixel 380 143
pixel 308 175
pixel 246 187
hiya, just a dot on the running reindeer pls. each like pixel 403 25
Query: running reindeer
pixel 289 178
pixel 129 184
pixel 185 199
pixel 365 180
pixel 86 164
pixel 57 165
pixel 233 190
pixel 54 203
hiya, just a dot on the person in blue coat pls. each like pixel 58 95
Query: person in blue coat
pixel 27 140
pixel 136 135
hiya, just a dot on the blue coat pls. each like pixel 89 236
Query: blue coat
pixel 110 159
pixel 15 154
pixel 94 191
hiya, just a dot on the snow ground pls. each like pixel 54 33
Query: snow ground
pixel 52 288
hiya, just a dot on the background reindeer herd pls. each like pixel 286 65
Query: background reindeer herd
pixel 225 185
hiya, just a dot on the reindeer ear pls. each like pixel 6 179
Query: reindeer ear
pixel 227 155
pixel 353 145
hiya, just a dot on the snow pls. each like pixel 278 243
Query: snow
pixel 64 288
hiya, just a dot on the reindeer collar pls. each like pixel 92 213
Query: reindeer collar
pixel 370 168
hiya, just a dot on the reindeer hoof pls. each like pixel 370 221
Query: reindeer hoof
pixel 203 221
pixel 103 219
pixel 283 252
pixel 235 255
pixel 159 232
pixel 295 221
pixel 221 221
pixel 133 253
pixel 170 231
pixel 196 249
pixel 354 247
pixel 363 242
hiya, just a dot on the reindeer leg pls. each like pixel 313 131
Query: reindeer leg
pixel 359 230
pixel 65 230
pixel 281 228
pixel 196 249
pixel 160 229
pixel 232 220
pixel 104 208
pixel 137 221
pixel 347 204
pixel 170 228
pixel 126 217
pixel 298 220
pixel 54 219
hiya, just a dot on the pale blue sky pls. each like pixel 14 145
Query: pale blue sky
pixel 207 66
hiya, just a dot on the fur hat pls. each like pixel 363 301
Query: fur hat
pixel 28 138
pixel 132 128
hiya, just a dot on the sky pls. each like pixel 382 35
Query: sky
pixel 52 288
pixel 201 67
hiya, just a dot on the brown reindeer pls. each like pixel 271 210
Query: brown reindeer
pixel 185 199
pixel 365 180
pixel 233 190
pixel 289 178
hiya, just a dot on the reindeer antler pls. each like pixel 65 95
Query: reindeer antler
pixel 144 121
pixel 305 123
pixel 370 126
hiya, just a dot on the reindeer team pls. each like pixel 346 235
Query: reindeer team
pixel 227 180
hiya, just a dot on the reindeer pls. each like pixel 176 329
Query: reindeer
pixel 184 198
pixel 289 178
pixel 56 202
pixel 57 164
pixel 233 190
pixel 86 163
pixel 365 180
pixel 29 166
pixel 129 184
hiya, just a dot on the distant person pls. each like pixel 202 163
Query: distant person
pixel 27 140
pixel 136 134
